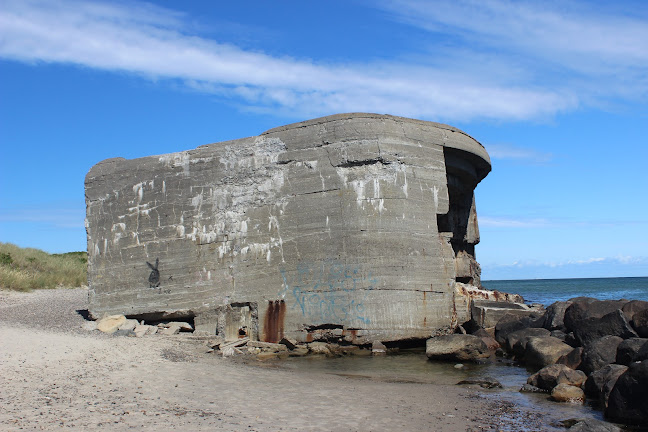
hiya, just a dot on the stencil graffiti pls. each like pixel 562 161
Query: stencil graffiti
pixel 328 292
pixel 154 277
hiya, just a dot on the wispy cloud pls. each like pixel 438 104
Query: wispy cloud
pixel 507 151
pixel 57 217
pixel 151 42
pixel 502 222
pixel 618 260
pixel 576 42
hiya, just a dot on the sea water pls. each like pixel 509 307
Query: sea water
pixel 548 291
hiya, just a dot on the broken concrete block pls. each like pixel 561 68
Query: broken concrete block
pixel 378 348
pixel 142 330
pixel 110 324
pixel 291 344
pixel 129 324
pixel 267 346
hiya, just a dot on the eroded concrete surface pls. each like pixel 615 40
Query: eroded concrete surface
pixel 358 222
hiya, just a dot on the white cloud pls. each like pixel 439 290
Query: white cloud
pixel 151 42
pixel 507 151
pixel 499 222
pixel 58 217
pixel 570 43
pixel 619 260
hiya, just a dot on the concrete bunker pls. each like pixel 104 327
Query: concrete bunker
pixel 358 227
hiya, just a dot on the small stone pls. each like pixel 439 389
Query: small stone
pixel 110 324
pixel 378 348
pixel 485 382
pixel 168 331
pixel 568 393
pixel 129 324
pixel 528 388
pixel 458 366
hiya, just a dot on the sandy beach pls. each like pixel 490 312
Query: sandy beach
pixel 54 374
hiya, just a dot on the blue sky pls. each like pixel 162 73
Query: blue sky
pixel 556 91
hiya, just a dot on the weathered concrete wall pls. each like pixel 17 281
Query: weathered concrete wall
pixel 359 222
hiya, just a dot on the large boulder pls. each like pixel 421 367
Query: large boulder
pixel 510 323
pixel 583 308
pixel 550 376
pixel 599 353
pixel 628 350
pixel 634 307
pixel 628 401
pixel 640 323
pixel 598 380
pixel 573 359
pixel 513 338
pixel 593 425
pixel 568 393
pixel 612 324
pixel 486 313
pixel 457 347
pixel 543 351
pixel 554 317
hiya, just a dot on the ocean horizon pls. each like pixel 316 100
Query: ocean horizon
pixel 548 291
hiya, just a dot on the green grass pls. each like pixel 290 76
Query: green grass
pixel 25 269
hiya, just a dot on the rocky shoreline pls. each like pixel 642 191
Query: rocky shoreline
pixel 581 349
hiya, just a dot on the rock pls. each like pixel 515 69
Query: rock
pixel 460 330
pixel 491 343
pixel 267 346
pixel 110 324
pixel 568 393
pixel 299 351
pixel 583 308
pixel 319 348
pixel 152 330
pixel 456 347
pixel 598 379
pixel 129 324
pixel 558 334
pixel 550 376
pixel 486 313
pixel 593 425
pixel 599 353
pixel 183 326
pixel 628 350
pixel 612 324
pixel 642 354
pixel 554 317
pixel 169 331
pixel 640 323
pixel 89 325
pixel 528 388
pixel 513 338
pixel 291 344
pixel 543 351
pixel 484 382
pixel 510 323
pixel 378 348
pixel 628 401
pixel 634 307
pixel 142 330
pixel 573 359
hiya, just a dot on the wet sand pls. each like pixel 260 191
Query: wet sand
pixel 54 374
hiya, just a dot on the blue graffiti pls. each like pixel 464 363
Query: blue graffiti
pixel 328 292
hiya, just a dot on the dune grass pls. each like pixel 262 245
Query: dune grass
pixel 25 269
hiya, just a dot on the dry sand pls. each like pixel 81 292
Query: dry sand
pixel 54 375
